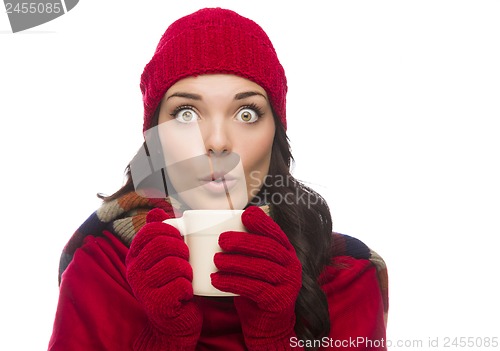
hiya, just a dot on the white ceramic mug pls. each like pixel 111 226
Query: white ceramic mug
pixel 201 230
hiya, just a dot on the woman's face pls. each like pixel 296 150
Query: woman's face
pixel 216 133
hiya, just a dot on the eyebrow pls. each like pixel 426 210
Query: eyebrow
pixel 239 96
pixel 186 95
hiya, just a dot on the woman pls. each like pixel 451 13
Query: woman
pixel 215 137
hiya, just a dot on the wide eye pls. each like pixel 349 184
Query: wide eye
pixel 186 115
pixel 247 115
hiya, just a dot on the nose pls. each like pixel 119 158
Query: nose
pixel 217 138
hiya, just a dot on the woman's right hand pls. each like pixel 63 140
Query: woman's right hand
pixel 161 277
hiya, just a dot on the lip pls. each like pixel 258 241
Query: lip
pixel 220 185
pixel 217 176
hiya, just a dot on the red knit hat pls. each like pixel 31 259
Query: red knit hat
pixel 213 40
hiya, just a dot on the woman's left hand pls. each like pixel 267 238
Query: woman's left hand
pixel 261 266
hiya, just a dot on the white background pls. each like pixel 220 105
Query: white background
pixel 393 112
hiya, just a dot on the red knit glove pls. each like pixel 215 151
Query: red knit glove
pixel 160 276
pixel 262 267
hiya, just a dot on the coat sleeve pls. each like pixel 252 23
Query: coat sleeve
pixel 96 308
pixel 356 306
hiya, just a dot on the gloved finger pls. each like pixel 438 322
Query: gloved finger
pixel 186 320
pixel 156 215
pixel 265 295
pixel 258 222
pixel 243 286
pixel 161 274
pixel 257 268
pixel 147 233
pixel 159 248
pixel 255 246
pixel 170 299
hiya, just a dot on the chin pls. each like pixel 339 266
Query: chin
pixel 197 199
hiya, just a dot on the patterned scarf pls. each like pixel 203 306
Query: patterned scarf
pixel 126 215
